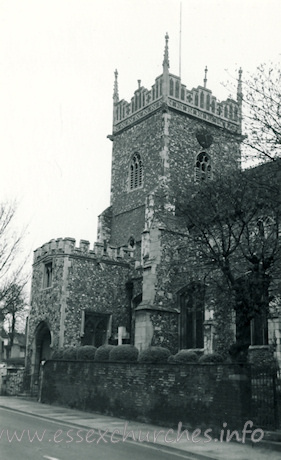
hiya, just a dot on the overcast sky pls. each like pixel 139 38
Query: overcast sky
pixel 57 61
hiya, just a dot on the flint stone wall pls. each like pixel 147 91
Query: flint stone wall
pixel 196 395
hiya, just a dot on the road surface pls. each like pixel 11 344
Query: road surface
pixel 24 436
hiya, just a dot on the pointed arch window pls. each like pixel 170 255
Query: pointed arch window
pixel 136 172
pixel 95 328
pixel 192 313
pixel 203 169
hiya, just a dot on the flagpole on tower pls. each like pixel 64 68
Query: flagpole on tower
pixel 180 41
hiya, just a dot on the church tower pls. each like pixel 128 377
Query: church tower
pixel 165 137
pixel 167 134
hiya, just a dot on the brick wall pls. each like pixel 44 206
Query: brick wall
pixel 167 394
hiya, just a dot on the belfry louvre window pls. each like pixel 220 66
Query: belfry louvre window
pixel 136 172
pixel 202 167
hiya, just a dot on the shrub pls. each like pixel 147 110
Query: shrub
pixel 124 353
pixel 154 355
pixel 271 366
pixel 102 353
pixel 198 351
pixel 262 359
pixel 86 353
pixel 57 354
pixel 15 362
pixel 186 356
pixel 238 352
pixel 70 353
pixel 171 359
pixel 211 358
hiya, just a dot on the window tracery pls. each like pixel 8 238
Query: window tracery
pixel 136 172
pixel 203 169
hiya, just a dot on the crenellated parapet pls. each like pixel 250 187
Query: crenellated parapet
pixel 67 247
pixel 169 90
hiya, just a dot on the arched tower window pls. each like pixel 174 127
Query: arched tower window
pixel 136 172
pixel 202 100
pixel 203 168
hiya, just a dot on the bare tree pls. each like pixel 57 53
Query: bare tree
pixel 262 113
pixel 233 225
pixel 13 309
pixel 12 276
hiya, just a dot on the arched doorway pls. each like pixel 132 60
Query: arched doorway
pixel 43 342
pixel 42 351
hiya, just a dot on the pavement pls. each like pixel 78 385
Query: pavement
pixel 117 429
